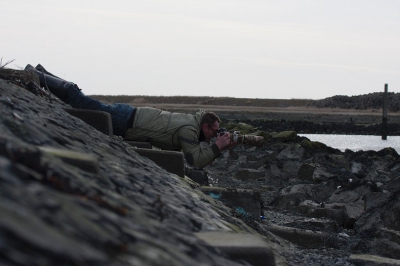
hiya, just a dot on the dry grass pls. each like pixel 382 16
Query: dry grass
pixel 2 66
pixel 202 101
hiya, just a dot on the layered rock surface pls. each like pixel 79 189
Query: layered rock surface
pixel 103 205
pixel 100 203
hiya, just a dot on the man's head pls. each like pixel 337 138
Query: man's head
pixel 209 125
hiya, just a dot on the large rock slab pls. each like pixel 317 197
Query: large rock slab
pixel 302 237
pixel 241 247
pixel 97 119
pixel 372 260
pixel 249 174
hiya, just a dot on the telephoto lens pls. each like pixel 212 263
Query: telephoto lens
pixel 250 140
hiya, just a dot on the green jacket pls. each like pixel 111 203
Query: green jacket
pixel 173 131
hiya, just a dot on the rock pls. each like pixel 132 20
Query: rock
pixel 256 164
pixel 344 196
pixel 351 213
pixel 385 248
pixel 389 234
pixel 302 237
pixel 197 175
pixel 325 225
pixel 246 174
pixel 393 186
pixel 292 196
pixel 331 211
pixel 292 152
pixel 322 174
pixel 368 222
pixel 386 243
pixel 242 160
pixel 371 260
pixel 375 199
pixel 285 136
pixel 241 247
pixel 356 168
pixel 289 169
pixel 391 215
pixel 306 172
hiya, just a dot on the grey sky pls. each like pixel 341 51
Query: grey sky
pixel 254 49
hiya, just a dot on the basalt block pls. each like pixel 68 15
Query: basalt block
pixel 306 172
pixel 256 164
pixel 301 237
pixel 249 174
pixel 244 201
pixel 140 144
pixel 171 161
pixel 344 214
pixel 325 225
pixel 197 175
pixel 392 235
pixel 386 243
pixel 334 212
pixel 371 260
pixel 241 247
pixel 352 211
pixel 97 119
pixel 294 152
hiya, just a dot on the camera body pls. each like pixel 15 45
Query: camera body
pixel 222 131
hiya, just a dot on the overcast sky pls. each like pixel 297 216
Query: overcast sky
pixel 308 49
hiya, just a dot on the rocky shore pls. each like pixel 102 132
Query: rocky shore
pixel 106 205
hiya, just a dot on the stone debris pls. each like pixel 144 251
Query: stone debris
pixel 70 195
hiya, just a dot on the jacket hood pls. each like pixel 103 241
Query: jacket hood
pixel 198 114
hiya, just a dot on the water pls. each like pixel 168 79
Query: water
pixel 356 142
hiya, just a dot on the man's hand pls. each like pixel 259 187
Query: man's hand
pixel 224 142
pixel 231 146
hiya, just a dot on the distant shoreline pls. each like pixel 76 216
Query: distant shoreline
pixel 226 104
pixel 269 115
pixel 368 103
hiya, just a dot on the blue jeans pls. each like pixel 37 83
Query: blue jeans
pixel 121 114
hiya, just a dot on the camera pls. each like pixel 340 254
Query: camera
pixel 221 131
pixel 250 140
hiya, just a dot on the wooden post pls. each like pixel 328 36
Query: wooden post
pixel 384 116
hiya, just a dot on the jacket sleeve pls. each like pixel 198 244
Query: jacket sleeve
pixel 195 154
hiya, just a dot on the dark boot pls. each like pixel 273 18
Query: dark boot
pixel 64 90
pixel 42 69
